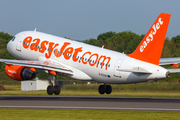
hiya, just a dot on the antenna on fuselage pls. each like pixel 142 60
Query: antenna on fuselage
pixel 35 30
pixel 102 46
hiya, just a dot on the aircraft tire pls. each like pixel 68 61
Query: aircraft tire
pixel 57 90
pixel 101 89
pixel 108 89
pixel 50 90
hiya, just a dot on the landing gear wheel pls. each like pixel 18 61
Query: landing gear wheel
pixel 108 89
pixel 50 90
pixel 57 89
pixel 101 89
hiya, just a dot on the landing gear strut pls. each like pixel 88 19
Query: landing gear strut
pixel 53 88
pixel 105 89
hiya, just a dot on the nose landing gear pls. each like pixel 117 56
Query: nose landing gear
pixel 105 89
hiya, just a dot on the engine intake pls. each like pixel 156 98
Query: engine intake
pixel 27 74
pixel 19 73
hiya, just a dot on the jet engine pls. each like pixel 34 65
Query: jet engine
pixel 19 73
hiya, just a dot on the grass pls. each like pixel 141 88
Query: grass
pixel 54 114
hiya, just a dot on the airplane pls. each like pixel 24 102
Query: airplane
pixel 38 51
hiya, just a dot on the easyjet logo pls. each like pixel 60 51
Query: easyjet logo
pixel 11 71
pixel 153 32
pixel 68 52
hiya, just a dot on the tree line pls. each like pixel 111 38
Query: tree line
pixel 128 41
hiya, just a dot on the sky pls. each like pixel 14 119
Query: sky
pixel 85 19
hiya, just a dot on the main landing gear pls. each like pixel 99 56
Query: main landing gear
pixel 53 88
pixel 105 89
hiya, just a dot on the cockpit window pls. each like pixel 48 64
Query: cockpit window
pixel 13 38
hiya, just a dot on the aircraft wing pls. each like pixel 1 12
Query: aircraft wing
pixel 45 65
pixel 168 61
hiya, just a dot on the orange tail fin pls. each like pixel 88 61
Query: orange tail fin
pixel 150 48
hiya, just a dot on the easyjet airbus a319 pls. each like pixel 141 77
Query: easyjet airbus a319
pixel 38 51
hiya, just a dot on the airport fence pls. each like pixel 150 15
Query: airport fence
pixel 161 85
pixel 146 86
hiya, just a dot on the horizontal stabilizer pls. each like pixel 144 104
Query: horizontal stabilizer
pixel 168 61
pixel 173 70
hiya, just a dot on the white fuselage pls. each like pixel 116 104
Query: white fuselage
pixel 76 54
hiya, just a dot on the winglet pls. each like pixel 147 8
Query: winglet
pixel 150 48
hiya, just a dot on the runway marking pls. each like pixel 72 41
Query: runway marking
pixel 95 108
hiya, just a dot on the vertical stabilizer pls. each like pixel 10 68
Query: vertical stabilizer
pixel 150 48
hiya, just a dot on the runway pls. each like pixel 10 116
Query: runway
pixel 90 102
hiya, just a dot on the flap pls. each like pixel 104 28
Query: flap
pixel 45 65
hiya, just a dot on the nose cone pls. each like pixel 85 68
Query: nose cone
pixel 11 47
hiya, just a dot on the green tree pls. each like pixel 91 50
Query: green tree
pixel 92 41
pixel 176 40
pixel 5 36
pixel 119 42
pixel 133 44
pixel 104 36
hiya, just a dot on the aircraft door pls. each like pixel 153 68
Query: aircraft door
pixel 117 66
pixel 19 43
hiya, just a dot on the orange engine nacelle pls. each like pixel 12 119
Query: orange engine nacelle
pixel 19 73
